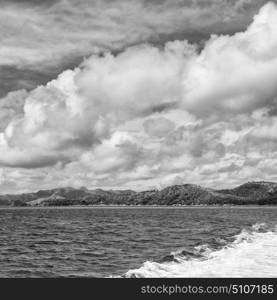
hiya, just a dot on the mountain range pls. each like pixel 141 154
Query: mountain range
pixel 251 193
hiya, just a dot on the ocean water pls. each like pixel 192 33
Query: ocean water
pixel 138 242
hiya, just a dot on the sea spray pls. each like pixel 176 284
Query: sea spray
pixel 252 253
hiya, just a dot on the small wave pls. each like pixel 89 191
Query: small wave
pixel 252 253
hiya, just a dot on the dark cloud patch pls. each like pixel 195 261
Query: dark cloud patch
pixel 162 107
pixel 34 162
pixel 272 109
pixel 195 37
pixel 252 162
pixel 13 78
pixel 273 112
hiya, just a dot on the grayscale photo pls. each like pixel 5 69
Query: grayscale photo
pixel 138 139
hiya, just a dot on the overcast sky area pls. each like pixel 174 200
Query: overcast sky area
pixel 137 94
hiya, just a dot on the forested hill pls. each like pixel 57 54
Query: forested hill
pixel 251 193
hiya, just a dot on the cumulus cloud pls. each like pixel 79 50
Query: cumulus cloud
pixel 79 109
pixel 39 39
pixel 151 116
pixel 236 73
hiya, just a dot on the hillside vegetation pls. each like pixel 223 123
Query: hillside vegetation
pixel 255 193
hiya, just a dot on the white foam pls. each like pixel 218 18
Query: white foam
pixel 253 253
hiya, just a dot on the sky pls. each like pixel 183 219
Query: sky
pixel 139 95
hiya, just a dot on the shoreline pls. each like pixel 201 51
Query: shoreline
pixel 138 206
pixel 258 193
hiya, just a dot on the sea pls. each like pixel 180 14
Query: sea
pixel 138 242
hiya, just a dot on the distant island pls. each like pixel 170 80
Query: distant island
pixel 251 193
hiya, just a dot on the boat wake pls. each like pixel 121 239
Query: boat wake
pixel 251 253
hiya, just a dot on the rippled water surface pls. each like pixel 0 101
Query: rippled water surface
pixel 138 242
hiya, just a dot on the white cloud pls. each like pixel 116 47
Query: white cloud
pixel 11 107
pixel 235 73
pixel 150 116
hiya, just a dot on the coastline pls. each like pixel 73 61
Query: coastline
pixel 185 195
pixel 112 206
